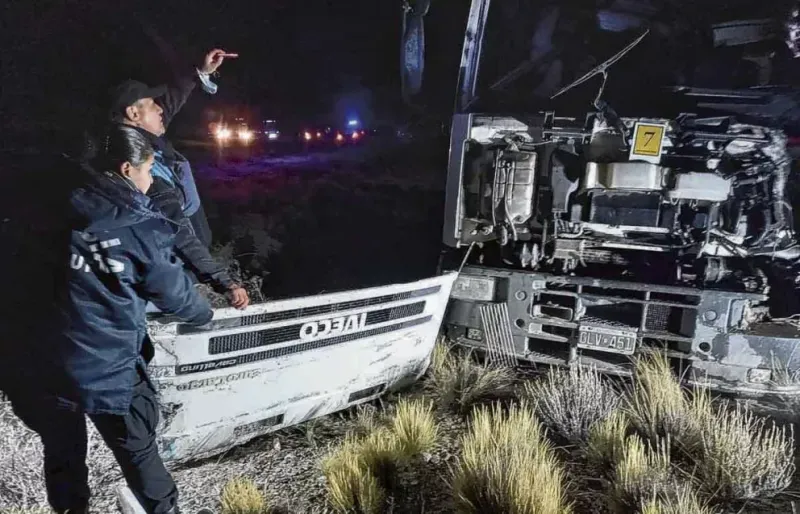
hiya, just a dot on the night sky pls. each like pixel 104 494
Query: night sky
pixel 301 59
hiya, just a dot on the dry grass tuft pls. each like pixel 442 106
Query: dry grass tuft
pixel 381 453
pixel 642 471
pixel 507 466
pixel 459 383
pixel 242 496
pixel 367 419
pixel 606 441
pixel 17 510
pixel 658 407
pixel 441 355
pixel 414 426
pixel 744 458
pixel 352 487
pixel 570 401
pixel 683 500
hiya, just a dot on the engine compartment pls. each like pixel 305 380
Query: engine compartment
pixel 690 201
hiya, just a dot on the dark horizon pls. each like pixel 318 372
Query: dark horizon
pixel 298 60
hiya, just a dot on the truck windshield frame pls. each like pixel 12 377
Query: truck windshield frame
pixel 547 45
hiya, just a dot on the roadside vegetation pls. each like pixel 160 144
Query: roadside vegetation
pixel 474 438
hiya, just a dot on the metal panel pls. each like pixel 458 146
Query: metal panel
pixel 212 402
pixel 625 175
pixel 471 53
pixel 700 186
pixel 497 330
pixel 454 195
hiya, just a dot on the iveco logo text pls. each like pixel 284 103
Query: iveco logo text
pixel 333 327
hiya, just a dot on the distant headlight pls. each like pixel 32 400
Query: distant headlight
pixel 474 288
pixel 223 134
pixel 307 136
pixel 272 135
pixel 245 135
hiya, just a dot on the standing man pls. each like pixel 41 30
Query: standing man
pixel 150 111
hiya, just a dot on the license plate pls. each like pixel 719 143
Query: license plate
pixel 607 339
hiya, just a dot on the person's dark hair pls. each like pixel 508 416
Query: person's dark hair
pixel 125 144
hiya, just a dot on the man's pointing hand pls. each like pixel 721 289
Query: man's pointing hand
pixel 214 59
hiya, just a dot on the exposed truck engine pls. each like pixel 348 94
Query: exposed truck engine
pixel 690 201
pixel 656 217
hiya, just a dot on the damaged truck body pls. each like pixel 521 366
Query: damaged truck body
pixel 653 215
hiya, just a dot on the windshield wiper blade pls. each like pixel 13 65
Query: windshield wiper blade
pixel 602 68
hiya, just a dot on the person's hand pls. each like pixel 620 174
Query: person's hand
pixel 214 59
pixel 238 297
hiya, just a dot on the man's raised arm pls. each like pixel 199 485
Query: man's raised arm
pixel 178 93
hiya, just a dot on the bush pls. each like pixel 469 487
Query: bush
pixel 643 470
pixel 351 485
pixel 606 441
pixel 381 454
pixel 657 406
pixel 570 401
pixel 507 466
pixel 682 501
pixel 459 383
pixel 414 426
pixel 743 458
pixel 242 496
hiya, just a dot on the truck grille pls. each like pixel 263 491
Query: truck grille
pixel 655 312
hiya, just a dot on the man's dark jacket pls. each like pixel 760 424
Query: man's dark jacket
pixel 174 192
pixel 120 256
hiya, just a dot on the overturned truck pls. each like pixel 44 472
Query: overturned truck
pixel 652 215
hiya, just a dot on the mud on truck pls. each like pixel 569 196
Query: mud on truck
pixel 621 182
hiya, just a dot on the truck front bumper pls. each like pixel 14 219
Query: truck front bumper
pixel 709 335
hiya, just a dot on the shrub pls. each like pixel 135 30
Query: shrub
pixel 683 500
pixel 657 406
pixel 351 485
pixel 642 470
pixel 606 441
pixel 459 383
pixel 744 458
pixel 415 426
pixel 242 496
pixel 507 466
pixel 570 401
pixel 381 454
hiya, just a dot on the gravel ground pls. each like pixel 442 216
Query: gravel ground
pixel 285 463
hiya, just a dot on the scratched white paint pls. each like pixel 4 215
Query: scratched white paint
pixel 202 410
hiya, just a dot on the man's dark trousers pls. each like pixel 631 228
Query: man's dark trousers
pixel 131 438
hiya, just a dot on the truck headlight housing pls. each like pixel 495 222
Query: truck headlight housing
pixel 476 289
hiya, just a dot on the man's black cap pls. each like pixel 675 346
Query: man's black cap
pixel 129 92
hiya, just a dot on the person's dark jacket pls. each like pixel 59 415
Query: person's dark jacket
pixel 187 245
pixel 174 192
pixel 120 257
pixel 166 155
